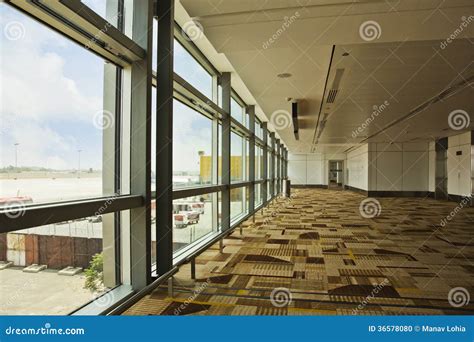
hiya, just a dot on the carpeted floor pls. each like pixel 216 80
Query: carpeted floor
pixel 315 254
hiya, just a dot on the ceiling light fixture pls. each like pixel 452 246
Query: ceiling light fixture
pixel 345 54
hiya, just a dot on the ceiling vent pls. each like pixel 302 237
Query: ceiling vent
pixel 332 96
pixel 335 86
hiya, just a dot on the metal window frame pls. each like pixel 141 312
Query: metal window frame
pixel 78 22
pixel 134 55
pixel 251 155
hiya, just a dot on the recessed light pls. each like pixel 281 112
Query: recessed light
pixel 284 75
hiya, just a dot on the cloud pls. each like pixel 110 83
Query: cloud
pixel 48 87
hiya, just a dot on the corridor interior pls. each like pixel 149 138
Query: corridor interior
pixel 319 247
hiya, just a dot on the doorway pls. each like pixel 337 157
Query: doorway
pixel 441 169
pixel 336 175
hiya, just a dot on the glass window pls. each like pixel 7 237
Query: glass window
pixel 236 158
pixel 238 201
pixel 186 66
pixel 219 95
pixel 236 111
pixel 72 261
pixel 258 129
pixel 269 165
pixel 190 69
pixel 219 154
pixel 98 6
pixel 192 220
pixel 258 195
pixel 246 160
pixel 153 139
pixel 258 162
pixel 192 147
pixel 52 116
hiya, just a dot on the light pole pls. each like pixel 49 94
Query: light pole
pixel 16 156
pixel 79 163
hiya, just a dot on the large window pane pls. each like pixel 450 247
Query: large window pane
pixel 192 219
pixel 192 147
pixel 193 72
pixel 238 206
pixel 112 14
pixel 258 195
pixel 258 129
pixel 236 111
pixel 236 158
pixel 258 162
pixel 186 66
pixel 52 116
pixel 72 266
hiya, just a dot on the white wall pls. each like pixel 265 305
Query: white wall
pixel 305 169
pixel 459 166
pixel 389 167
pixel 399 167
pixel 357 173
pixel 312 168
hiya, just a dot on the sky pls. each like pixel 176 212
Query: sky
pixel 51 91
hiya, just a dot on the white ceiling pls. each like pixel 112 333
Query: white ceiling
pixel 404 65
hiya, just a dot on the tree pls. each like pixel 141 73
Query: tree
pixel 95 274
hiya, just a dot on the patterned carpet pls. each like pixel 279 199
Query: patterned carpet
pixel 315 254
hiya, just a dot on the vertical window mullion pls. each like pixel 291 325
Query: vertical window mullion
pixel 164 138
pixel 226 149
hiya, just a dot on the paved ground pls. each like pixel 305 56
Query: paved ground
pixel 43 293
pixel 319 255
